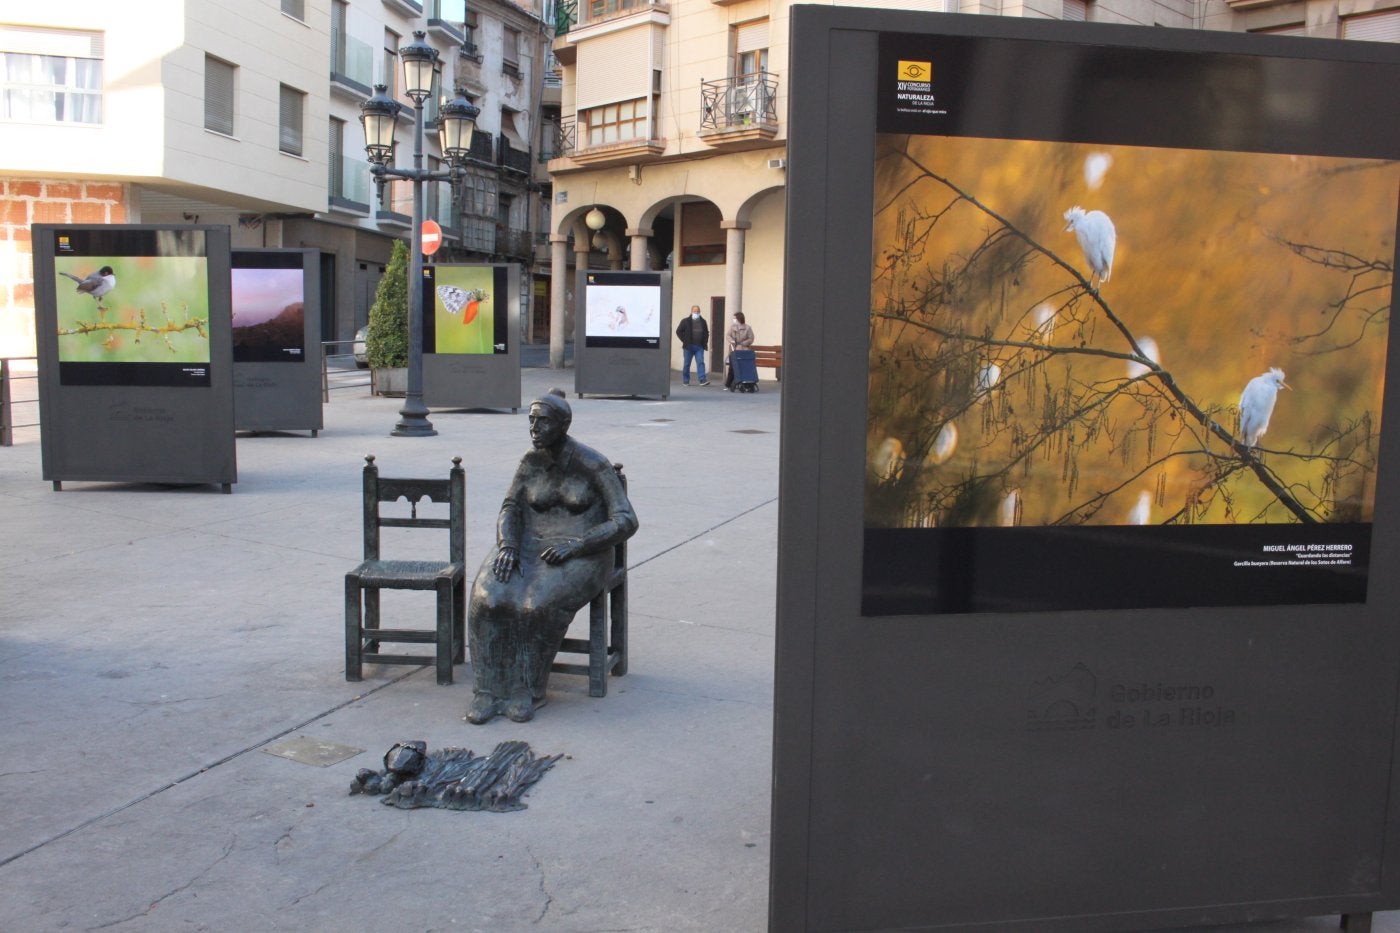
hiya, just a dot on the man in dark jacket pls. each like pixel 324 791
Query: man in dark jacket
pixel 694 335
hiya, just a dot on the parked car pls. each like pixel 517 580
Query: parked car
pixel 361 357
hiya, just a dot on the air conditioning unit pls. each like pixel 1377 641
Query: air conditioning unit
pixel 777 163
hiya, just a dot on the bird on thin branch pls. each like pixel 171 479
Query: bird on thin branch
pixel 1097 237
pixel 97 284
pixel 1257 404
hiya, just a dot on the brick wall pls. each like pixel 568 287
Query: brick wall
pixel 29 201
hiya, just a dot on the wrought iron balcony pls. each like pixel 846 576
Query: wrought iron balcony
pixel 740 105
pixel 565 15
pixel 508 157
pixel 483 148
pixel 513 243
pixel 566 139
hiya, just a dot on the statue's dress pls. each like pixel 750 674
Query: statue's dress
pixel 516 625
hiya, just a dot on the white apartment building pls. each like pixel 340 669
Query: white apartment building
pixel 672 123
pixel 246 113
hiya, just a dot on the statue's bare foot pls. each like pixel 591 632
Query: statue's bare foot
pixel 484 708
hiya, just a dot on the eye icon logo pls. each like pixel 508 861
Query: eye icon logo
pixel 915 71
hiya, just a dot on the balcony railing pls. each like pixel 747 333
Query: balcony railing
pixel 352 63
pixel 349 182
pixel 600 11
pixel 566 139
pixel 483 148
pixel 736 103
pixel 508 157
pixel 513 243
pixel 565 15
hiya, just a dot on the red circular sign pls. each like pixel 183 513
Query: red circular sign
pixel 432 237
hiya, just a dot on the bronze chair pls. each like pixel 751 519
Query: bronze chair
pixel 606 645
pixel 363 634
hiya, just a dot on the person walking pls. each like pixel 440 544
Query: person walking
pixel 694 335
pixel 739 337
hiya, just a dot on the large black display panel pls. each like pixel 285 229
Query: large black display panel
pixel 622 333
pixel 471 336
pixel 276 301
pixel 1089 519
pixel 135 354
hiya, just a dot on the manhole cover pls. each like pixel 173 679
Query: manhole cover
pixel 311 751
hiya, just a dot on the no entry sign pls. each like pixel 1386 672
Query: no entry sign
pixel 432 237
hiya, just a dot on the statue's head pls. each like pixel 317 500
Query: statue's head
pixel 550 417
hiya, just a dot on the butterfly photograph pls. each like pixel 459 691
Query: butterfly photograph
pixel 464 312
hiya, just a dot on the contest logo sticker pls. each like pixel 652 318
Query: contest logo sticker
pixel 915 71
pixel 914 89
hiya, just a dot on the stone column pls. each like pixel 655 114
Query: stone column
pixel 639 236
pixel 558 292
pixel 733 271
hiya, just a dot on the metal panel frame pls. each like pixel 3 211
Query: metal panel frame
pixel 908 791
pixel 464 380
pixel 276 396
pixel 137 434
pixel 616 370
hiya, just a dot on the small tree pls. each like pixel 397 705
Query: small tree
pixel 386 344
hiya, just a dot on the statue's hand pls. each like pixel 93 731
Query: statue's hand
pixel 507 562
pixel 558 553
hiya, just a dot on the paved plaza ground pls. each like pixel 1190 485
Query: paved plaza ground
pixel 158 644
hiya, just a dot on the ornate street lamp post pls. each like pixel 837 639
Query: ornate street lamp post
pixel 456 120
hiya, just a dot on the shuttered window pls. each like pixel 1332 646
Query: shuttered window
pixel 1075 11
pixel 335 158
pixel 296 9
pixel 750 37
pixel 612 68
pixel 218 95
pixel 1374 27
pixel 291 103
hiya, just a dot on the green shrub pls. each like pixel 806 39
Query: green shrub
pixel 386 344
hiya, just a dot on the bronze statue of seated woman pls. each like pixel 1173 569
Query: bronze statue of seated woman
pixel 564 512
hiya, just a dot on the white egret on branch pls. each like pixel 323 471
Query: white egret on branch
pixel 1149 349
pixel 945 443
pixel 1096 165
pixel 1257 405
pixel 987 378
pixel 1141 513
pixel 888 460
pixel 1097 238
pixel 1009 513
pixel 1044 322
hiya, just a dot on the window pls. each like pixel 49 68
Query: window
pixel 1374 27
pixel 296 9
pixel 469 47
pixel 339 13
pixel 218 95
pixel 291 104
pixel 702 239
pixel 391 62
pixel 50 75
pixel 510 53
pixel 750 50
pixel 335 159
pixel 613 123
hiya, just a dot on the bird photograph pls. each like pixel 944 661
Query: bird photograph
pixel 158 314
pixel 97 284
pixel 1166 376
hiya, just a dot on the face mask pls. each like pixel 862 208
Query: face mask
pixel 695 317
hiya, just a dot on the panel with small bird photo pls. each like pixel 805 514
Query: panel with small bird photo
pixel 1072 342
pixel 469 311
pixel 132 308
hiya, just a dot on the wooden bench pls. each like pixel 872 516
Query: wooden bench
pixel 771 357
